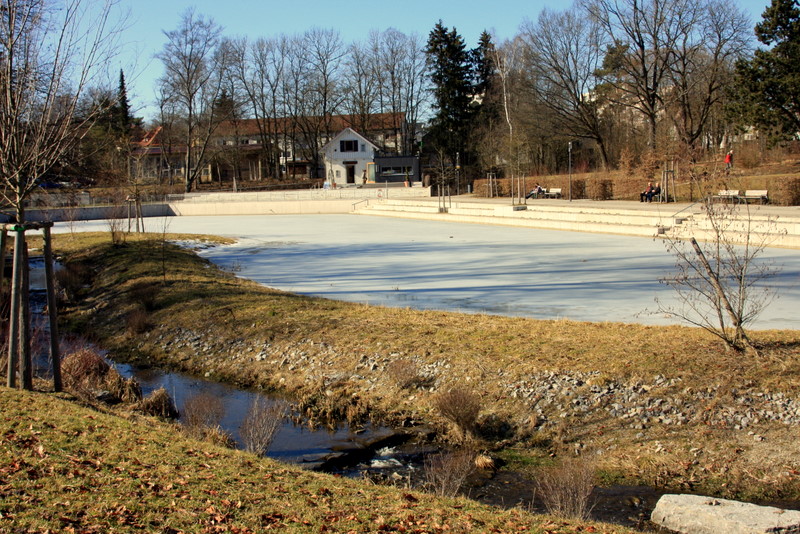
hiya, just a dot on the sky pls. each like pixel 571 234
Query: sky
pixel 354 19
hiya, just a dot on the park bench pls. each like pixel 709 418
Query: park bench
pixel 726 194
pixel 553 192
pixel 756 194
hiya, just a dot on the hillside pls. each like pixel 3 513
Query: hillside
pixel 665 406
pixel 71 468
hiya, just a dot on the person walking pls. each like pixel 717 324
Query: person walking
pixel 729 160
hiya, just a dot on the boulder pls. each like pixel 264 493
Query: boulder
pixel 695 514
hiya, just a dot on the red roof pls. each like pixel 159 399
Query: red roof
pixel 246 127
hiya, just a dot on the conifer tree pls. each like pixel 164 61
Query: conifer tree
pixel 450 67
pixel 769 83
pixel 123 122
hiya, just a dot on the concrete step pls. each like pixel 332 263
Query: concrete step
pixel 647 221
pixel 574 218
pixel 543 223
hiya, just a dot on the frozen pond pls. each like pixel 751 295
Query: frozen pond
pixel 474 268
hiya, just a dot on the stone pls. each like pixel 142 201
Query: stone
pixel 695 514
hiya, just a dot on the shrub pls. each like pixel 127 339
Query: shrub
pixel 404 373
pixel 72 278
pixel 565 489
pixel 145 295
pixel 446 472
pixel 785 191
pixel 158 404
pixel 83 371
pixel 138 321
pixel 202 411
pixel 461 407
pixel 263 419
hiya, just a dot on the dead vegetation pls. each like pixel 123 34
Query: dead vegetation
pixel 335 359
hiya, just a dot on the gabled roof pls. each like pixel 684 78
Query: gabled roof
pixel 348 132
pixel 285 125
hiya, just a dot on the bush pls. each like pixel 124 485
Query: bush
pixel 83 371
pixel 785 191
pixel 446 472
pixel 565 489
pixel 145 295
pixel 202 411
pixel 72 278
pixel 461 407
pixel 263 419
pixel 138 321
pixel 158 404
pixel 404 373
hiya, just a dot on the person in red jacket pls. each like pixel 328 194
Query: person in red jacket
pixel 729 160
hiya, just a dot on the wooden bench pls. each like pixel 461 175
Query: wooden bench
pixel 727 194
pixel 553 192
pixel 756 194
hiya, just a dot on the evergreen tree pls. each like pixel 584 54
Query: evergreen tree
pixel 450 66
pixel 769 83
pixel 484 68
pixel 123 122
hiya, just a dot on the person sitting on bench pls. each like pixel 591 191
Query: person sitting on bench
pixel 654 192
pixel 647 191
pixel 535 192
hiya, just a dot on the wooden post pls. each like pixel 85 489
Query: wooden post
pixel 14 314
pixel 52 310
pixel 3 247
pixel 25 358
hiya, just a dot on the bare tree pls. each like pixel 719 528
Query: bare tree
pixel 51 54
pixel 362 82
pixel 720 283
pixel 641 38
pixel 192 80
pixel 703 68
pixel 318 89
pixel 563 55
pixel 261 67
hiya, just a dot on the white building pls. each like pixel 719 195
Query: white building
pixel 346 157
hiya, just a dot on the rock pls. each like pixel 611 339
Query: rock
pixel 695 514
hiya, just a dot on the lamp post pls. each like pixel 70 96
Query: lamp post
pixel 570 170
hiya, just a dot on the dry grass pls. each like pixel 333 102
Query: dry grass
pixel 263 419
pixel 87 374
pixel 315 345
pixel 446 472
pixel 566 488
pixel 66 468
pixel 158 404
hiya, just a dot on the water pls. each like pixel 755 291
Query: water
pixel 293 443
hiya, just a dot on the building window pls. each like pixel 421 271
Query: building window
pixel 363 147
pixel 348 146
pixel 338 174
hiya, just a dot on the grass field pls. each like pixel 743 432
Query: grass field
pixel 340 359
pixel 65 467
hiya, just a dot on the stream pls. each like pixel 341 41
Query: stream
pixel 384 455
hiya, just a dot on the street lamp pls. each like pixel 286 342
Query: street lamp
pixel 570 170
